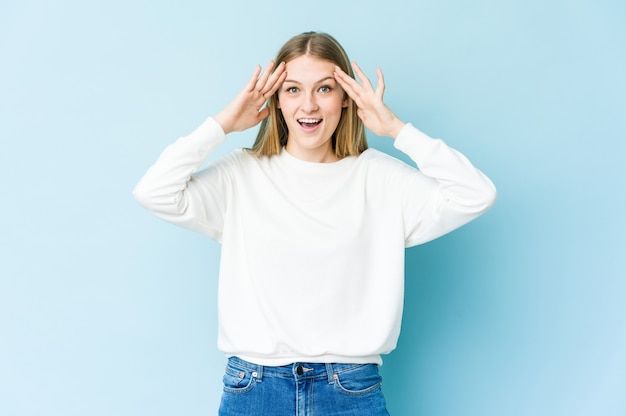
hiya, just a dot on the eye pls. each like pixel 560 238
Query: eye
pixel 325 89
pixel 291 90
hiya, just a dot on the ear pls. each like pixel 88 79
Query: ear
pixel 344 103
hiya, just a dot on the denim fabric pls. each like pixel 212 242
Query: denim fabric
pixel 302 389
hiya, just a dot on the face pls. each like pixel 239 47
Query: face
pixel 311 101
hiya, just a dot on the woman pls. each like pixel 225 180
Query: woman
pixel 313 227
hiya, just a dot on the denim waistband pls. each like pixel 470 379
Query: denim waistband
pixel 295 370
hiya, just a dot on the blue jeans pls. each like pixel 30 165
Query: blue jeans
pixel 302 389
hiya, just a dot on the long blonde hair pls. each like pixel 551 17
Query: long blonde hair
pixel 349 137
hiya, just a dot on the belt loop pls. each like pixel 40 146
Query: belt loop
pixel 330 372
pixel 259 372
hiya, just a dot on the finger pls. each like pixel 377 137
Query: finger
pixel 380 88
pixel 365 82
pixel 349 84
pixel 263 113
pixel 260 84
pixel 276 80
pixel 345 78
pixel 253 80
pixel 279 81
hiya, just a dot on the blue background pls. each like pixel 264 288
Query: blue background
pixel 106 310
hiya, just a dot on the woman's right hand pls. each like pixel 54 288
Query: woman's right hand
pixel 247 108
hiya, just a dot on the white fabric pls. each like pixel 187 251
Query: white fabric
pixel 312 261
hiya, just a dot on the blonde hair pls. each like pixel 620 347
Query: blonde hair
pixel 349 136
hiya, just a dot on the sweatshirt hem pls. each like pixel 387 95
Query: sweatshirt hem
pixel 327 358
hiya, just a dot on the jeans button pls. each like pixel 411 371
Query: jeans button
pixel 299 370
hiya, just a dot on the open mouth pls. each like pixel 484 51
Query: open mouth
pixel 309 122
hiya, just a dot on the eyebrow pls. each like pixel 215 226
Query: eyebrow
pixel 317 82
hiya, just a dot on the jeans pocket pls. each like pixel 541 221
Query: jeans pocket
pixel 238 381
pixel 359 381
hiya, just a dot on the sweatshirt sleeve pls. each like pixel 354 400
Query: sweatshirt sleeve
pixel 447 191
pixel 171 191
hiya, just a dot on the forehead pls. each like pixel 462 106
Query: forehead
pixel 307 68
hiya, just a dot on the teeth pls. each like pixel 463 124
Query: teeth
pixel 309 120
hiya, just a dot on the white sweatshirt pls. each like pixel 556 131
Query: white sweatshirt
pixel 312 256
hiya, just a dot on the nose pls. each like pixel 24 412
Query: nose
pixel 309 103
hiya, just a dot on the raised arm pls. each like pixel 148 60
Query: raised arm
pixel 169 188
pixel 447 192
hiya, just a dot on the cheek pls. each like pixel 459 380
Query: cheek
pixel 344 99
pixel 340 103
pixel 285 105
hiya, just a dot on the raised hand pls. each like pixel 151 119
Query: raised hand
pixel 247 108
pixel 375 114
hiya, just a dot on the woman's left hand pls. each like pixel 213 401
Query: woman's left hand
pixel 375 114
